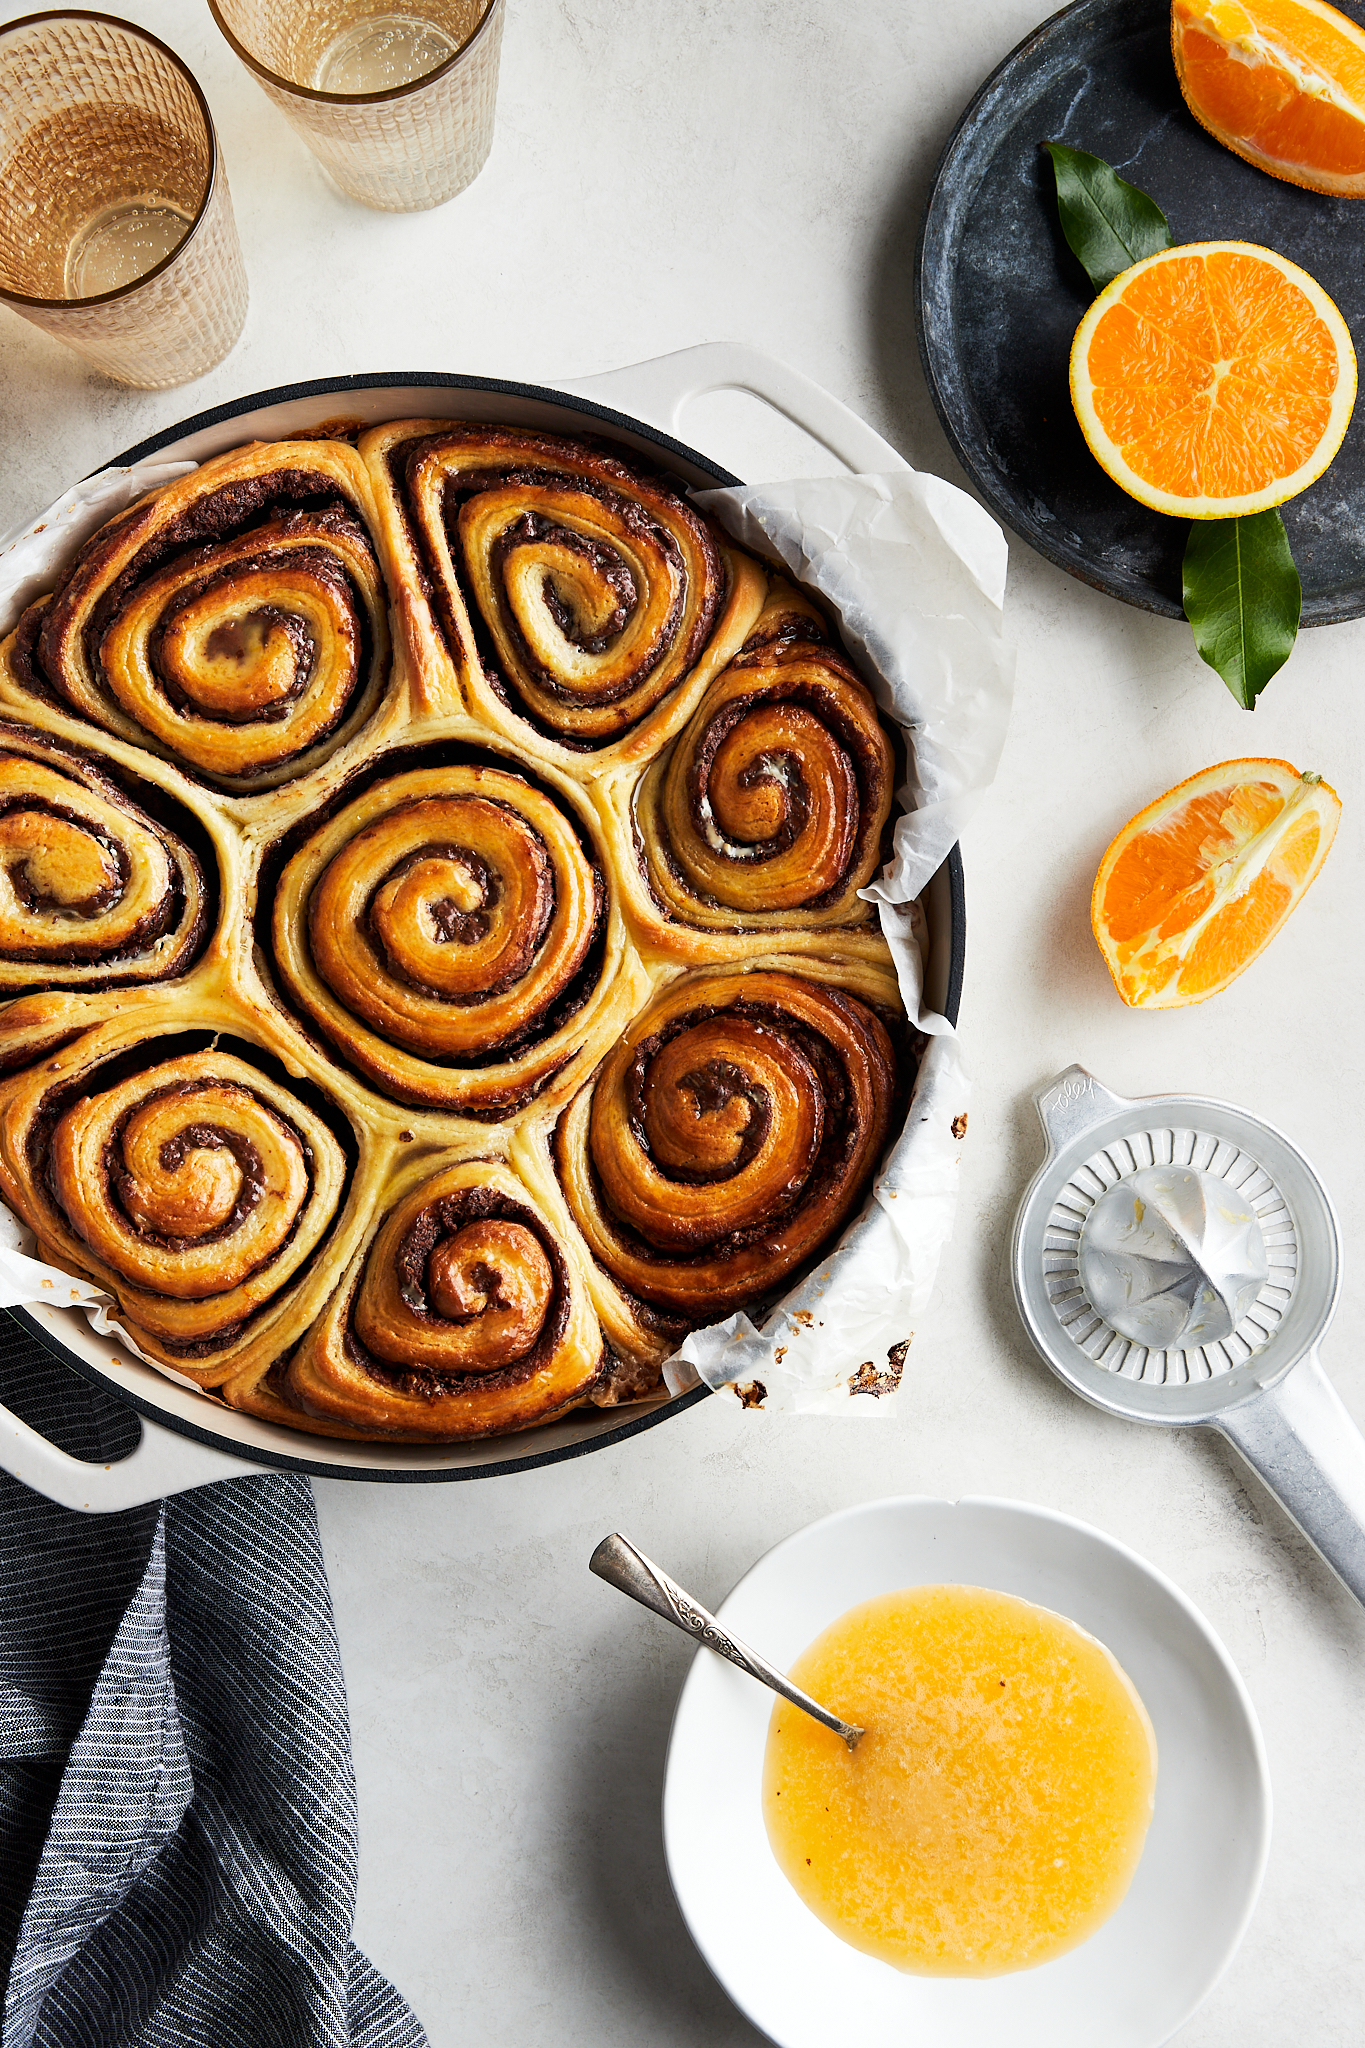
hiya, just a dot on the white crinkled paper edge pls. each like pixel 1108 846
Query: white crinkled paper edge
pixel 25 1280
pixel 915 570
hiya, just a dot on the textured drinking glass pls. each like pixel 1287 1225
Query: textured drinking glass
pixel 397 104
pixel 116 229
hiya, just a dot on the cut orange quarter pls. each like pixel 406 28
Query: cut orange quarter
pixel 1281 83
pixel 1198 884
pixel 1213 379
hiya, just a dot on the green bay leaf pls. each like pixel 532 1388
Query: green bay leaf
pixel 1109 225
pixel 1243 599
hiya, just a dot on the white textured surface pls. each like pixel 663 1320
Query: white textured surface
pixel 661 176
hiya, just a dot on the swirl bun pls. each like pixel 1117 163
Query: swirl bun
pixel 442 930
pixel 236 621
pixel 464 1317
pixel 573 588
pixel 766 815
pixel 194 1189
pixel 731 1131
pixel 94 893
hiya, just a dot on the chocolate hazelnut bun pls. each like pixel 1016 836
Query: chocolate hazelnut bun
pixel 559 590
pixel 195 1189
pixel 759 824
pixel 727 1138
pixel 463 1315
pixel 447 931
pixel 94 892
pixel 235 621
pixel 434 976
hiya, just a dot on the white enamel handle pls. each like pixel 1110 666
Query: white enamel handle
pixel 163 1462
pixel 1299 1439
pixel 660 390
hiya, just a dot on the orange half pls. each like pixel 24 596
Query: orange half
pixel 1213 379
pixel 1279 82
pixel 1198 884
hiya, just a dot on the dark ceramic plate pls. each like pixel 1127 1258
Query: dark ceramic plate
pixel 998 296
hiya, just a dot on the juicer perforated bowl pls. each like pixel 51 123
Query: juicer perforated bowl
pixel 1261 1384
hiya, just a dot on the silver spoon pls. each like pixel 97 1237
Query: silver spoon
pixel 624 1567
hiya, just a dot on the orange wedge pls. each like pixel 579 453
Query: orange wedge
pixel 1198 884
pixel 1213 379
pixel 1280 82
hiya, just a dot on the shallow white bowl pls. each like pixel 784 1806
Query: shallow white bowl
pixel 1138 1979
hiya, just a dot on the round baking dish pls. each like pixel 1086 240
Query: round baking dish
pixel 250 1444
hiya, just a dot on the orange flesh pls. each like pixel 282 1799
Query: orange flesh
pixel 994 1812
pixel 1161 882
pixel 1213 375
pixel 1256 104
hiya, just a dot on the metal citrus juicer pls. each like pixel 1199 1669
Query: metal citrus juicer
pixel 1177 1261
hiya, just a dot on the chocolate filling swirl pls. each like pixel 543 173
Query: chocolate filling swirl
pixel 771 805
pixel 195 1189
pixel 731 1132
pixel 575 586
pixel 464 1317
pixel 443 930
pixel 236 622
pixel 94 892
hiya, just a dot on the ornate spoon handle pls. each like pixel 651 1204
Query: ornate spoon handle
pixel 624 1567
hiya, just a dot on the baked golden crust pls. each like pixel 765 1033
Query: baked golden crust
pixel 462 1316
pixel 94 892
pixel 429 919
pixel 235 621
pixel 726 1137
pixel 452 933
pixel 763 819
pixel 192 1186
pixel 558 593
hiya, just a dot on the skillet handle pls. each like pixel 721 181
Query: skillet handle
pixel 1300 1441
pixel 659 391
pixel 164 1462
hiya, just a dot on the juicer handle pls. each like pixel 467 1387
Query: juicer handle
pixel 1072 1103
pixel 660 390
pixel 1300 1441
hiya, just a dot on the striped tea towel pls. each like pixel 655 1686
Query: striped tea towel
pixel 177 1803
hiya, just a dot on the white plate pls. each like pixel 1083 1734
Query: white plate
pixel 1138 1979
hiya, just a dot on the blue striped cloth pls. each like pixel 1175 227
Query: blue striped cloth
pixel 177 1803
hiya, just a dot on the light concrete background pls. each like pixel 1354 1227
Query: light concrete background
pixel 746 170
